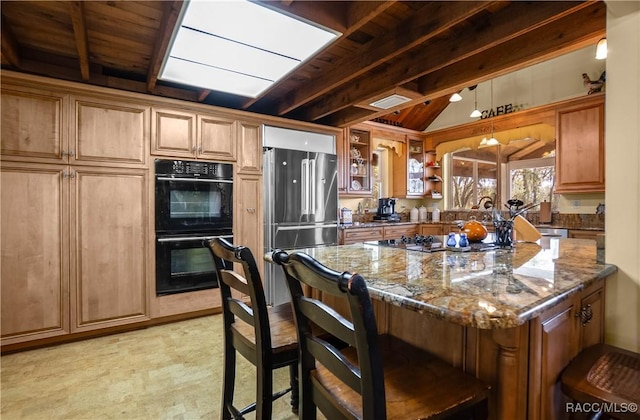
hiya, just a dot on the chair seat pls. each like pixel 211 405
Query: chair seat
pixel 284 340
pixel 604 373
pixel 417 384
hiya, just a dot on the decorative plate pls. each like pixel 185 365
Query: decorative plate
pixel 355 185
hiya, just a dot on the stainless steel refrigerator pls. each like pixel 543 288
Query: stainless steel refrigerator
pixel 301 202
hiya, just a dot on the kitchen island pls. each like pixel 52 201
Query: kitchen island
pixel 514 318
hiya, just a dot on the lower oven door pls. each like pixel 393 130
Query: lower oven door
pixel 184 264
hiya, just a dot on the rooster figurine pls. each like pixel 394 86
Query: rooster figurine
pixel 594 86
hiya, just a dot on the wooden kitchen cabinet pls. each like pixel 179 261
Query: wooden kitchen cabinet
pixel 580 147
pixel 216 138
pixel 359 155
pixel 556 337
pixel 396 232
pixel 35 251
pixel 408 170
pixel 435 229
pixel 248 216
pixel 173 133
pixel 78 259
pixel 33 125
pixel 249 135
pixel 356 235
pixel 583 234
pixel 109 132
pixel 109 247
pixel 178 133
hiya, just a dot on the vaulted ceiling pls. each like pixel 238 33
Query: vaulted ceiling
pixel 423 50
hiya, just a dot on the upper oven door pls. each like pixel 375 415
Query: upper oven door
pixel 193 204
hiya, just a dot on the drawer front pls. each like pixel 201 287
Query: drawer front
pixel 352 236
pixel 396 232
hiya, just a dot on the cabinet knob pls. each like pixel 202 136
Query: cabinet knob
pixel 71 153
pixel 193 148
pixel 585 314
pixel 251 210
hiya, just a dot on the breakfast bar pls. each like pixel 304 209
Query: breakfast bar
pixel 512 317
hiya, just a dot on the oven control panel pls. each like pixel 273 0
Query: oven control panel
pixel 193 169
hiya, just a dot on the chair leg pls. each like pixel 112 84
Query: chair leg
pixel 295 391
pixel 264 396
pixel 229 376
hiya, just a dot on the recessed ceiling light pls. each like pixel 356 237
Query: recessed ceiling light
pixel 239 47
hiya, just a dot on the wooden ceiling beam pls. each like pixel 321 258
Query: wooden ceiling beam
pixel 503 26
pixel 10 48
pixel 558 38
pixel 170 16
pixel 430 21
pixel 76 12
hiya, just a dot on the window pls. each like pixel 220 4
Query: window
pixel 473 179
pixel 489 176
pixel 532 180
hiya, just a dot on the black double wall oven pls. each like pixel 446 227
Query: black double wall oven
pixel 193 202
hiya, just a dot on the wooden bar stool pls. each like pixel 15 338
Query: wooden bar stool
pixel 606 377
pixel 264 336
pixel 375 377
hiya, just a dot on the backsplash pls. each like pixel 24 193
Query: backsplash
pixel 564 220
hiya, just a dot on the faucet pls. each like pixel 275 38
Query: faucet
pixel 487 204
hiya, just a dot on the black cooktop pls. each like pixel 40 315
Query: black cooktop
pixel 430 243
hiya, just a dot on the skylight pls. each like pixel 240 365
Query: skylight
pixel 239 47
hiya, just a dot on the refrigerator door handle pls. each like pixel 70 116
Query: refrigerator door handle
pixel 305 227
pixel 312 183
pixel 304 186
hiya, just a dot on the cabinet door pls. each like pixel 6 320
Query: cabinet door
pixel 359 171
pixel 216 138
pixel 32 125
pixel 173 133
pixel 110 133
pixel 580 146
pixel 109 240
pixel 554 343
pixel 590 316
pixel 342 151
pixel 426 230
pixel 249 147
pixel 248 217
pixel 35 258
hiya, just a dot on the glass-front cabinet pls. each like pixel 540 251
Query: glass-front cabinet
pixel 415 168
pixel 359 169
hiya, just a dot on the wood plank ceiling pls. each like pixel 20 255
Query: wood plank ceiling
pixel 424 50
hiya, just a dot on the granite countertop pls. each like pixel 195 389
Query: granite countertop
pixel 492 289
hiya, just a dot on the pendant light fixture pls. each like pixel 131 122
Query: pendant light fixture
pixel 476 112
pixel 455 97
pixel 492 141
pixel 601 49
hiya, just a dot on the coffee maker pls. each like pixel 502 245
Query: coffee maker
pixel 387 210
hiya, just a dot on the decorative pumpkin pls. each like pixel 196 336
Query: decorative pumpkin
pixel 475 230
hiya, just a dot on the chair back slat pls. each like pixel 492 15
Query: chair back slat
pixel 241 310
pixel 325 317
pixel 333 360
pixel 363 373
pixel 235 281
